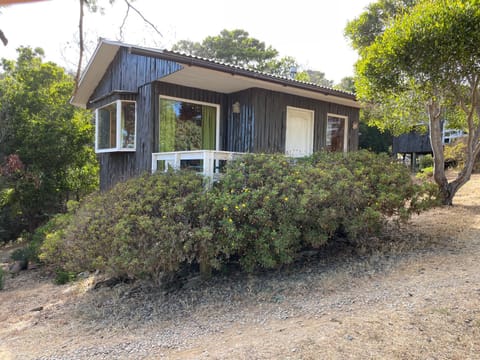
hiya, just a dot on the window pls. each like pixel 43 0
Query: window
pixel 187 125
pixel 337 133
pixel 116 127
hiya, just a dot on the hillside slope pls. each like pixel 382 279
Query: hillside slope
pixel 416 297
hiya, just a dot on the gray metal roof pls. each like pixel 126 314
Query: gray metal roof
pixel 200 68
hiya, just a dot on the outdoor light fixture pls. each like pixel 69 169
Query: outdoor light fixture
pixel 236 107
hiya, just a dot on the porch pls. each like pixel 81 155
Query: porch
pixel 207 162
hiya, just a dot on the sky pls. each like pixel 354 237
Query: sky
pixel 309 30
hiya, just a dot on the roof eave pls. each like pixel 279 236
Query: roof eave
pixel 193 61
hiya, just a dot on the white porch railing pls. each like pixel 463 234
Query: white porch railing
pixel 211 160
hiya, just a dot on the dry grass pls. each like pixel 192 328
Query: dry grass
pixel 414 297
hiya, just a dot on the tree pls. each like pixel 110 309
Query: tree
pixel 232 46
pixel 318 77
pixel 370 137
pixel 378 16
pixel 236 47
pixel 347 84
pixel 427 62
pixel 90 5
pixel 46 157
pixel 288 67
pixel 93 6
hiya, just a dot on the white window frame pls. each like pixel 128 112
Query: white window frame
pixel 345 135
pixel 118 109
pixel 217 116
pixel 311 136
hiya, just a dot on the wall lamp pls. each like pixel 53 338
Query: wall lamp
pixel 236 107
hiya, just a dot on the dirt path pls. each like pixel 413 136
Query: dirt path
pixel 417 298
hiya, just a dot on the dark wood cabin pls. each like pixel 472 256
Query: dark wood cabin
pixel 162 107
pixel 413 145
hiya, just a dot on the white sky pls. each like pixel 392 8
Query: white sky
pixel 309 30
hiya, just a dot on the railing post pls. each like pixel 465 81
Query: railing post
pixel 208 164
pixel 154 163
pixel 177 163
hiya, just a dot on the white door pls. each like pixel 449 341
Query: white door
pixel 299 136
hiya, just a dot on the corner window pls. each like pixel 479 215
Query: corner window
pixel 116 127
pixel 337 133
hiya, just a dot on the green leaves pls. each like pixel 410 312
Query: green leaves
pixel 238 48
pixel 51 138
pixel 425 67
pixel 434 46
pixel 263 212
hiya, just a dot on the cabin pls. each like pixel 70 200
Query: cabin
pixel 416 144
pixel 156 108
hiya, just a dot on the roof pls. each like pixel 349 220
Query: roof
pixel 204 74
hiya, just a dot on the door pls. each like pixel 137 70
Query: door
pixel 299 135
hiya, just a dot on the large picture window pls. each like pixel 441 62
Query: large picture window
pixel 337 133
pixel 116 127
pixel 187 125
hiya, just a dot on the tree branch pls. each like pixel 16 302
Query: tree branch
pixel 143 17
pixel 81 45
pixel 3 38
pixel 124 21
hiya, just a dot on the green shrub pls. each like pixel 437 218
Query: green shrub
pixel 267 207
pixel 425 173
pixel 426 161
pixel 63 277
pixel 454 154
pixel 367 189
pixel 47 240
pixel 142 227
pixel 263 211
pixel 254 210
pixel 22 256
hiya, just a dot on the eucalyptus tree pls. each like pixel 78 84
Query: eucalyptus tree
pixel 427 63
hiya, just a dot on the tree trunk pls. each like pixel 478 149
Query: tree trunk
pixel 448 190
pixel 436 142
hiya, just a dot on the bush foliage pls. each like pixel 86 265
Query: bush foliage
pixel 264 210
pixel 46 157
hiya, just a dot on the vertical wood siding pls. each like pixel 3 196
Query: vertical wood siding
pixel 413 142
pixel 128 72
pixel 239 130
pixel 261 125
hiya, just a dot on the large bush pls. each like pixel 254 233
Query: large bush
pixel 263 211
pixel 46 157
pixel 141 227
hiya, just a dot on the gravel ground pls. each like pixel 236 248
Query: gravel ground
pixel 415 295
